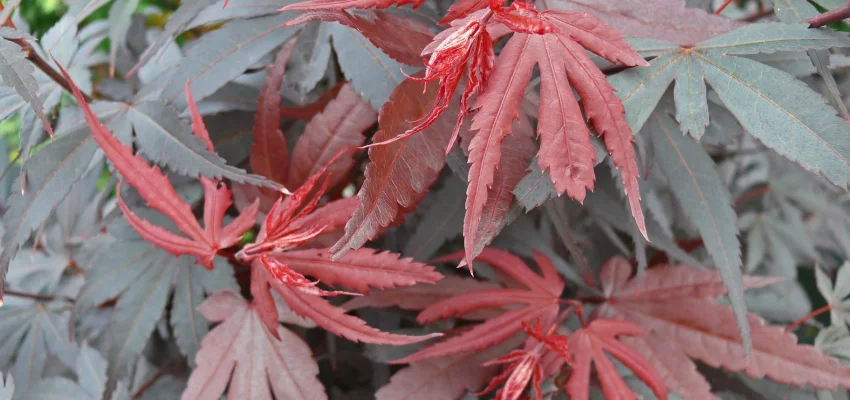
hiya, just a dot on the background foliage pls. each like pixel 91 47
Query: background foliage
pixel 95 308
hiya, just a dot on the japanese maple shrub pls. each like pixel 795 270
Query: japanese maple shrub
pixel 425 199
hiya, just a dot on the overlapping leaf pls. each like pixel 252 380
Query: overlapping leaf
pixel 90 369
pixel 566 149
pixel 401 172
pixel 658 19
pixel 770 104
pixel 663 303
pixel 539 298
pixel 255 362
pixel 589 345
pixel 160 195
pixel 703 196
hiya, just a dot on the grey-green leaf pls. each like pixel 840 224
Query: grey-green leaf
pixel 188 323
pixel 310 57
pixel 704 198
pixel 440 223
pixel 56 389
pixel 168 140
pixel 372 73
pixel 119 24
pixel 535 188
pixel 640 89
pixel 176 22
pixel 793 10
pixel 224 54
pixel 17 72
pixel 771 37
pixel 783 114
pixel 756 248
pixel 7 388
pixel 91 371
pixel 689 94
pixel 136 314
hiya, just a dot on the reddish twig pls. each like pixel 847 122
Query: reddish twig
pixel 752 194
pixel 829 17
pixel 723 6
pixel 36 296
pixel 808 316
pixel 165 368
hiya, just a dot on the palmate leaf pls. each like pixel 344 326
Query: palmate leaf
pixel 705 199
pixel 375 49
pixel 159 194
pixel 770 104
pixel 440 222
pixel 144 278
pixel 311 58
pixel 663 304
pixel 51 173
pixel 589 345
pixel 372 73
pixel 446 377
pixel 90 369
pixel 244 352
pixel 236 9
pixel 32 331
pixel 221 56
pixel 538 299
pixel 561 124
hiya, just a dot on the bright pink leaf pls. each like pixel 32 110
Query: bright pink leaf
pixel 256 362
pixel 563 64
pixel 589 345
pixel 663 303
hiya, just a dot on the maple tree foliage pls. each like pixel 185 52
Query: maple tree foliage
pixel 254 199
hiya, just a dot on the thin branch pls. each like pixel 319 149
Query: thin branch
pixel 829 17
pixel 36 296
pixel 758 15
pixel 808 316
pixel 165 368
pixel 752 194
pixel 722 6
pixel 44 66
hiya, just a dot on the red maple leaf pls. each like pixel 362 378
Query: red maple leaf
pixel 589 345
pixel 540 298
pixel 675 305
pixel 565 150
pixel 257 360
pixel 556 42
pixel 155 188
pixel 530 364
